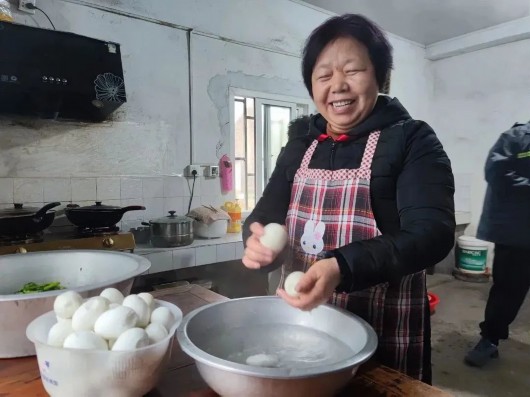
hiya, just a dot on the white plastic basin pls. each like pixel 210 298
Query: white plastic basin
pixel 90 373
pixel 87 272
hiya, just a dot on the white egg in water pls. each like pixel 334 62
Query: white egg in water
pixel 59 332
pixel 140 307
pixel 162 315
pixel 291 282
pixel 112 323
pixel 85 317
pixel 113 295
pixel 87 340
pixel 67 303
pixel 148 298
pixel 275 237
pixel 156 332
pixel 263 360
pixel 114 306
pixel 131 339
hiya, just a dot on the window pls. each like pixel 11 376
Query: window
pixel 260 132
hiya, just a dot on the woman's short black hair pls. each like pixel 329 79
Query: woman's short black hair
pixel 355 26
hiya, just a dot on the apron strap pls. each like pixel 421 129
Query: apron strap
pixel 308 154
pixel 368 155
pixel 369 150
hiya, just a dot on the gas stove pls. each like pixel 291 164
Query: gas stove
pixel 81 238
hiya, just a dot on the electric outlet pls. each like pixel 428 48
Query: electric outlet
pixel 22 6
pixel 211 171
pixel 192 170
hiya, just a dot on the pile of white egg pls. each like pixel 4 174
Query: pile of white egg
pixel 109 321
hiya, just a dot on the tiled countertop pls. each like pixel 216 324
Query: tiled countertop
pixel 200 252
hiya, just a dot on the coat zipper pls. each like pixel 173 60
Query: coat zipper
pixel 332 155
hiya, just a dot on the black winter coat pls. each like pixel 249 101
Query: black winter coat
pixel 506 213
pixel 412 190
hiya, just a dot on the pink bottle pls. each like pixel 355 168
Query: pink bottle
pixel 225 173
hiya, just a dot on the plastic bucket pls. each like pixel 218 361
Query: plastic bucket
pixel 472 255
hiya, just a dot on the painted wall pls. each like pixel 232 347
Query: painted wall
pixel 477 96
pixel 139 156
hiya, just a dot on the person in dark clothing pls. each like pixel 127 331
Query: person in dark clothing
pixel 366 194
pixel 505 221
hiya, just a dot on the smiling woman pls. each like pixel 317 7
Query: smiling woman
pixel 366 195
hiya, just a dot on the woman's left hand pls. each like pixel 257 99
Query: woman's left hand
pixel 316 286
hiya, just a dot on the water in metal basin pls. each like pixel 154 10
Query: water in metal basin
pixel 291 346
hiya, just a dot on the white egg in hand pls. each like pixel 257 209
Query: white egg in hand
pixel 67 303
pixel 85 340
pixel 140 307
pixel 162 315
pixel 291 282
pixel 274 237
pixel 263 360
pixel 156 332
pixel 113 295
pixel 85 317
pixel 59 332
pixel 131 339
pixel 112 323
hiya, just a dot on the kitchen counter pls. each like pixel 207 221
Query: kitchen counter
pixel 200 252
pixel 20 377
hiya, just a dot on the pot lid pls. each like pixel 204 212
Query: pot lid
pixel 96 207
pixel 172 218
pixel 18 210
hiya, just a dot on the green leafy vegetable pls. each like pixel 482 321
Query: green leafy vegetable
pixel 31 288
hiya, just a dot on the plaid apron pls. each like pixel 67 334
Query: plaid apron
pixel 330 209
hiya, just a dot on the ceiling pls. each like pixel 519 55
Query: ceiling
pixel 430 21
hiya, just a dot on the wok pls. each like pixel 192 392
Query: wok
pixel 21 221
pixel 98 215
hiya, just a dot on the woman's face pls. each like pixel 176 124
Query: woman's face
pixel 344 85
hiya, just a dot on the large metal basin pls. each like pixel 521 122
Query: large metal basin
pixel 87 272
pixel 219 335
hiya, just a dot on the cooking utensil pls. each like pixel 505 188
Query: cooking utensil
pixel 84 372
pixel 171 231
pixel 20 220
pixel 87 272
pixel 141 234
pixel 326 347
pixel 99 215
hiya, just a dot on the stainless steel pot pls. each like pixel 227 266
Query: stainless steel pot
pixel 325 347
pixel 171 231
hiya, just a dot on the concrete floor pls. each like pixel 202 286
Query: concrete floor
pixel 455 331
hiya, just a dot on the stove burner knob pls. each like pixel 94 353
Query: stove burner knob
pixel 21 250
pixel 108 242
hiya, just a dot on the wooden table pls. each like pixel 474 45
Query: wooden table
pixel 20 377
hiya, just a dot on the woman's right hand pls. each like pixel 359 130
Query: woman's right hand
pixel 256 254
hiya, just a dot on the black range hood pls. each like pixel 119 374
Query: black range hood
pixel 51 74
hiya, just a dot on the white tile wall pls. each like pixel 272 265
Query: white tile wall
pixel 6 190
pixel 175 186
pixel 158 194
pixel 131 188
pixel 108 189
pixel 58 189
pixel 83 189
pixel 153 187
pixel 28 190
